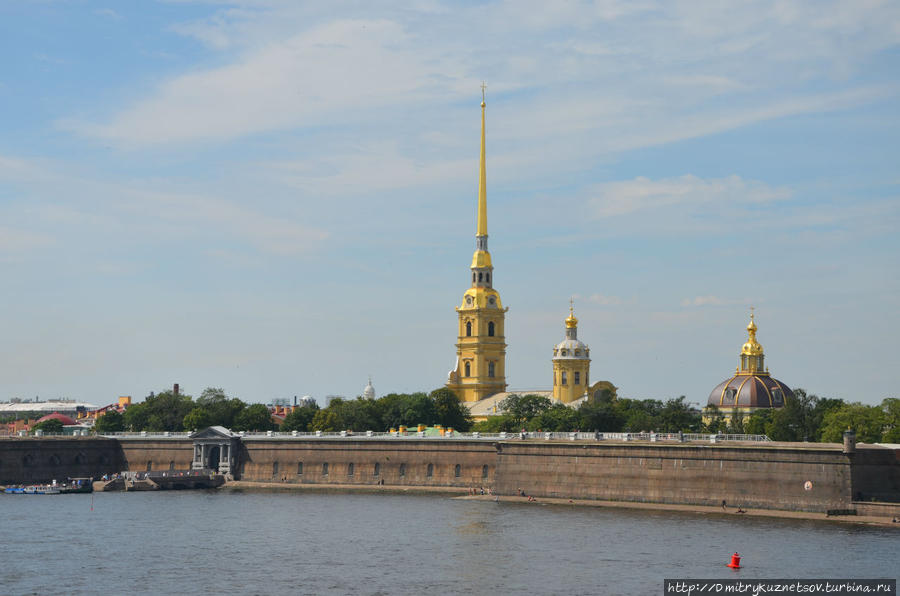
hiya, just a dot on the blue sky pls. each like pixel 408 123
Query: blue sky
pixel 279 198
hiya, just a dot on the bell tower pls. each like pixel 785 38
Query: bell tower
pixel 481 345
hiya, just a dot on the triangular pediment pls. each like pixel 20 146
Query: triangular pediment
pixel 213 432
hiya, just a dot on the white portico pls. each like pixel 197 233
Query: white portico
pixel 215 449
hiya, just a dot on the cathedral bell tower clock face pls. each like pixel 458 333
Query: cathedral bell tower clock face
pixel 468 300
pixel 492 301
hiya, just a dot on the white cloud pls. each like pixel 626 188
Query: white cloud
pixel 640 194
pixel 334 68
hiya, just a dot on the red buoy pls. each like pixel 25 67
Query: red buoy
pixel 735 561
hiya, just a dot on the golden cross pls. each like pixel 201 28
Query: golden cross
pixel 572 304
pixel 751 312
pixel 483 87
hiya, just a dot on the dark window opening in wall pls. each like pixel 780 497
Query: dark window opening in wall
pixel 54 460
pixel 429 472
pixel 299 468
pixel 468 369
pixel 491 369
pixel 275 468
pixel 468 328
pixel 402 470
pixel 349 469
pixel 577 378
pixel 103 460
pixel 491 329
pixel 79 459
pixel 324 469
pixel 457 470
pixel 484 471
pixel 26 460
pixel 473 278
pixel 487 277
pixel 150 466
pixel 377 471
pixel 479 276
pixel 171 465
pixel 562 378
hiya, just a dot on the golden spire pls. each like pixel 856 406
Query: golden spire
pixel 571 322
pixel 481 228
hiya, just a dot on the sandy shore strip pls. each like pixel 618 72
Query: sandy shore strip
pixel 463 493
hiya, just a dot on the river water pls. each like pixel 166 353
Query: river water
pixel 313 543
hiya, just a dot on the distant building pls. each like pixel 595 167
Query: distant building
pixel 369 391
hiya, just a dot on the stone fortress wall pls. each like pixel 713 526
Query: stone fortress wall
pixel 784 476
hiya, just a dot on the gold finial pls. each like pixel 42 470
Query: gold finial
pixel 752 347
pixel 571 322
pixel 483 87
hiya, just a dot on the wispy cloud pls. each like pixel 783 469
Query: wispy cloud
pixel 624 197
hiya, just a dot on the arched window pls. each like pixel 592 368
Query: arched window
pixel 377 471
pixel 275 468
pixel 468 369
pixel 171 465
pixel 562 378
pixel 402 469
pixel 468 328
pixel 491 369
pixel 473 277
pixel 491 329
pixel 150 466
pixel 457 471
pixel 429 471
pixel 479 276
pixel 350 469
pixel 487 277
pixel 324 469
pixel 484 471
pixel 577 378
pixel 299 468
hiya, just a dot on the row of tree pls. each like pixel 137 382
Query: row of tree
pixel 169 411
pixel 805 417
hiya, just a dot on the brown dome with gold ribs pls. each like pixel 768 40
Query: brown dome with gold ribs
pixel 751 386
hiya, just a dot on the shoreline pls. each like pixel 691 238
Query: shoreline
pixel 463 494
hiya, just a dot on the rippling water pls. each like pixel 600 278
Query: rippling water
pixel 309 543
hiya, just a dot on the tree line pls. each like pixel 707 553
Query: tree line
pixel 804 417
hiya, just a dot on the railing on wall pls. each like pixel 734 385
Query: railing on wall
pixel 502 436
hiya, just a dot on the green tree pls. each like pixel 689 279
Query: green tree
pixel 110 422
pixel 160 412
pixel 449 412
pixel 601 415
pixel 758 422
pixel 49 427
pixel 496 424
pixel 867 421
pixel 557 418
pixel 222 409
pixel 255 417
pixel 736 422
pixel 300 419
pixel 715 421
pixel 522 408
pixel 891 408
pixel 676 415
pixel 196 419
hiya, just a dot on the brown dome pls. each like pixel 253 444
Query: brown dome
pixel 750 391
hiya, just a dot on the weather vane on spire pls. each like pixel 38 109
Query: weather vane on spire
pixel 483 87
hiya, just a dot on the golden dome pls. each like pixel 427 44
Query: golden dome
pixel 752 347
pixel 481 259
pixel 571 321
